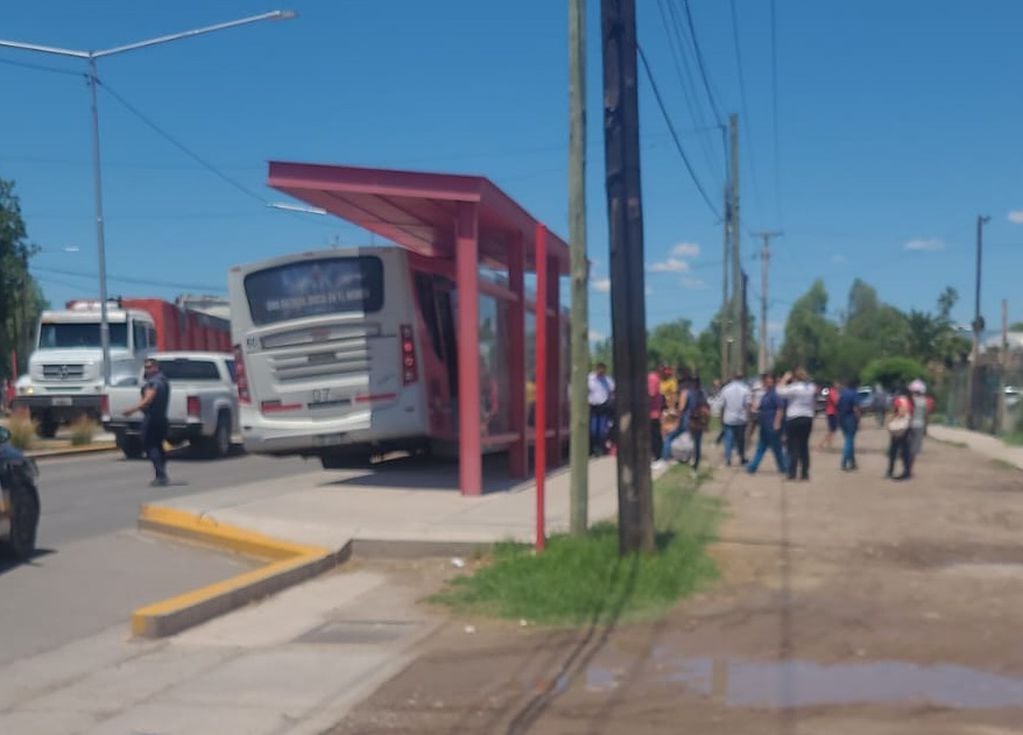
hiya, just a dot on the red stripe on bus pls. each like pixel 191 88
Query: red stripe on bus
pixel 376 397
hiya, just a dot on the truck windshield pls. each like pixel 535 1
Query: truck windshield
pixel 79 334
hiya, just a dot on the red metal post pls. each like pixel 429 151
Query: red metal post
pixel 470 459
pixel 540 410
pixel 518 453
pixel 554 386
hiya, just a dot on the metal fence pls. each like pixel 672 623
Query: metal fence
pixel 993 405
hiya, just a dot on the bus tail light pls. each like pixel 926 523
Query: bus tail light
pixel 409 368
pixel 194 408
pixel 241 378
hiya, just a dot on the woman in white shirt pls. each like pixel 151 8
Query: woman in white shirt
pixel 800 396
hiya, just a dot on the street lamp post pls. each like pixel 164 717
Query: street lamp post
pixel 91 57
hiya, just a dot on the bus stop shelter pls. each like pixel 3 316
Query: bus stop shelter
pixel 472 223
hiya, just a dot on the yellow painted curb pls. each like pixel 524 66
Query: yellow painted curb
pixel 71 451
pixel 290 564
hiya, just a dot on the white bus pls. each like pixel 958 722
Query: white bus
pixel 347 353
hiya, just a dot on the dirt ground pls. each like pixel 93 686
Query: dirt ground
pixel 847 604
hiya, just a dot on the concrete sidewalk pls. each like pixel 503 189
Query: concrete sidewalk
pixel 990 446
pixel 297 661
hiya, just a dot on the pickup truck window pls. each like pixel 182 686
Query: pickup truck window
pixel 190 370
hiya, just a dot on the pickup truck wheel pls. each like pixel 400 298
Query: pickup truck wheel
pixel 219 445
pixel 24 518
pixel 131 446
pixel 47 427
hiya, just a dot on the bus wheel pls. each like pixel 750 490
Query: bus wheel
pixel 345 461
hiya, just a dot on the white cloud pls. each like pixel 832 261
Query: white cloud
pixel 686 250
pixel 931 244
pixel 839 259
pixel 601 285
pixel 1016 216
pixel 775 327
pixel 693 284
pixel 596 336
pixel 671 265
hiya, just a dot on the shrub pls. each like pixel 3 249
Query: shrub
pixel 892 372
pixel 82 431
pixel 23 430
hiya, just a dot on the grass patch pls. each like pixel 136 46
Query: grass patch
pixel 23 430
pixel 1013 438
pixel 582 579
pixel 83 430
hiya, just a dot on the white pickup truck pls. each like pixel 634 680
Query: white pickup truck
pixel 203 407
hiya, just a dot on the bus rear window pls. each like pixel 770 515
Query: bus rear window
pixel 315 287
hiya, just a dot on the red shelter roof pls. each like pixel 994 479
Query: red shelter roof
pixel 417 210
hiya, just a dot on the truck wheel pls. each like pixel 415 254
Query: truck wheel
pixel 131 446
pixel 219 445
pixel 24 518
pixel 47 427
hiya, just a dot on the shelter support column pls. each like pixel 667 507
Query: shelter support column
pixel 470 460
pixel 555 390
pixel 518 453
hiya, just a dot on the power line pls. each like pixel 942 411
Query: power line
pixel 676 37
pixel 671 127
pixel 182 147
pixel 42 67
pixel 747 128
pixel 132 280
pixel 700 64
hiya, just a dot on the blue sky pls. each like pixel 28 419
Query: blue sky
pixel 897 125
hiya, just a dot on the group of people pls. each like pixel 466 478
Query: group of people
pixel 778 411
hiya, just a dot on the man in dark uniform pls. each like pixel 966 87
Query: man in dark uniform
pixel 155 397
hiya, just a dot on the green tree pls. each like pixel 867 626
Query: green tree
pixel 20 297
pixel 810 338
pixel 892 372
pixel 673 344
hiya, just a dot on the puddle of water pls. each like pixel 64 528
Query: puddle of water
pixel 793 683
pixel 599 679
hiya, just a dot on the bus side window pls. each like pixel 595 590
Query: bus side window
pixel 428 309
pixel 446 312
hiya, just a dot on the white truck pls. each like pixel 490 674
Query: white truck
pixel 65 371
pixel 203 406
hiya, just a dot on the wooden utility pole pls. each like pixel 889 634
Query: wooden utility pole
pixel 978 327
pixel 738 329
pixel 628 308
pixel 743 325
pixel 726 300
pixel 1003 360
pixel 579 435
pixel 763 360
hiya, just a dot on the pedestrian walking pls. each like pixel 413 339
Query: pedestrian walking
pixel 831 414
pixel 898 436
pixel 769 419
pixel 601 396
pixel 757 395
pixel 880 404
pixel 920 407
pixel 735 402
pixel 155 397
pixel 799 394
pixel 849 421
pixel 657 404
pixel 697 418
pixel 682 410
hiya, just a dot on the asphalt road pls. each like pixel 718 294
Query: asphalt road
pixel 93 568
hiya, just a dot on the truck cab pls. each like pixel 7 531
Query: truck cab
pixel 65 371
